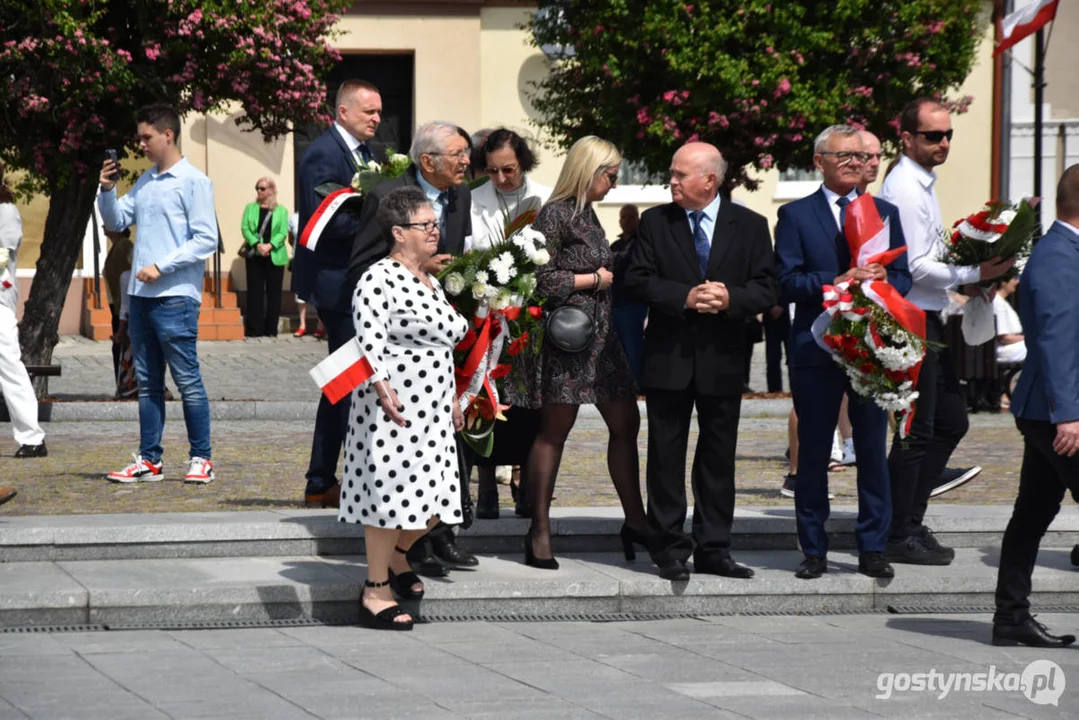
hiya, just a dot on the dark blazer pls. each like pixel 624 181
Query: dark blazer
pixel 319 277
pixel 1048 387
pixel 811 253
pixel 369 245
pixel 683 346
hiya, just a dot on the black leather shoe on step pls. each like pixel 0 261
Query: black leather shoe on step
pixel 487 505
pixel 402 584
pixel 1075 556
pixel 1029 632
pixel 873 564
pixel 812 567
pixel 724 567
pixel 446 550
pixel 674 570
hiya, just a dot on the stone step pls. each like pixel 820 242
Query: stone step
pixel 178 592
pixel 317 532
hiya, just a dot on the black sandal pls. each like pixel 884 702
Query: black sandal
pixel 402 584
pixel 387 618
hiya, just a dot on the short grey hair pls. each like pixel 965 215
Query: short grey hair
pixel 843 130
pixel 398 207
pixel 429 139
pixel 721 169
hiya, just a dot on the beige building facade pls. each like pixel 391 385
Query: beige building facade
pixel 470 62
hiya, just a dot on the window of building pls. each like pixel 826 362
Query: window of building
pixel 795 183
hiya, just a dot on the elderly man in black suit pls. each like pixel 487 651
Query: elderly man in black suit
pixel 319 277
pixel 703 264
pixel 440 160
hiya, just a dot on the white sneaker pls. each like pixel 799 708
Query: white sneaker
pixel 849 458
pixel 503 474
pixel 139 471
pixel 201 471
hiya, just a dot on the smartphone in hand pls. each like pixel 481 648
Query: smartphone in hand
pixel 111 154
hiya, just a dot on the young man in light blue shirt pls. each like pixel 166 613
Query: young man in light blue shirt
pixel 172 206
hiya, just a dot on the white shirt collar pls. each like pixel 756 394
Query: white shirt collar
pixel 832 196
pixel 178 169
pixel 350 142
pixel 710 210
pixel 926 177
pixel 1069 226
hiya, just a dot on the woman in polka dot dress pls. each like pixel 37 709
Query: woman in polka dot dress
pixel 401 472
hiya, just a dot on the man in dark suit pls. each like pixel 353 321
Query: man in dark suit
pixel 440 159
pixel 319 277
pixel 1046 408
pixel 703 264
pixel 811 251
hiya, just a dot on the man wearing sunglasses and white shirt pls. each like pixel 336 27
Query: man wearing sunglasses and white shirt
pixel 940 417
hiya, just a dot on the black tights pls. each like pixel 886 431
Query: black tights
pixel 623 423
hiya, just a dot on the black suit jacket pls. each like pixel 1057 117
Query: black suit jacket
pixel 370 245
pixel 683 346
pixel 319 277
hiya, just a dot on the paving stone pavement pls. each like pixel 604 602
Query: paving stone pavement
pixel 708 667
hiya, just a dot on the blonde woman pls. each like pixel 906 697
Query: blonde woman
pixel 559 382
pixel 265 231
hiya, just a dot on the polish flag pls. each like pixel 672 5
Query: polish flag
pixel 1025 22
pixel 868 236
pixel 343 371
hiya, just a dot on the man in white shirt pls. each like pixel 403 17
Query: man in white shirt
pixel 940 418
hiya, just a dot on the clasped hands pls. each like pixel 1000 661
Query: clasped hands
pixel 872 271
pixel 709 297
pixel 392 407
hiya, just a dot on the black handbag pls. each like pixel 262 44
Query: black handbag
pixel 570 329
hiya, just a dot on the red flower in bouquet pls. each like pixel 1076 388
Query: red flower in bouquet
pixel 999 230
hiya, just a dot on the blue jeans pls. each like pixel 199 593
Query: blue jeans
pixel 165 329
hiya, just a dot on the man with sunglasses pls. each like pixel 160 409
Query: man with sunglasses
pixel 440 160
pixel 940 418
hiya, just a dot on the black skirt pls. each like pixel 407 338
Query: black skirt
pixel 513 438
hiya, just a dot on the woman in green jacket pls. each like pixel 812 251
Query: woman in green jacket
pixel 265 230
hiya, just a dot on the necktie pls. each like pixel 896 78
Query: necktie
pixel 364 153
pixel 700 241
pixel 443 200
pixel 842 246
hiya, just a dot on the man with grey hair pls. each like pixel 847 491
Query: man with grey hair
pixel 703 264
pixel 811 252
pixel 440 159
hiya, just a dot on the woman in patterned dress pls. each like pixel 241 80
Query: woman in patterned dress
pixel 558 382
pixel 400 472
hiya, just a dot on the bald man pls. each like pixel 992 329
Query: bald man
pixel 703 265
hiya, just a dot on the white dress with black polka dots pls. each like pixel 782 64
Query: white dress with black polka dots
pixel 398 477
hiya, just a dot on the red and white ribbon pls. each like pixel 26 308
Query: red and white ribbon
pixel 326 211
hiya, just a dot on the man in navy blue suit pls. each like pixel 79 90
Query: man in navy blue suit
pixel 1046 408
pixel 811 252
pixel 320 277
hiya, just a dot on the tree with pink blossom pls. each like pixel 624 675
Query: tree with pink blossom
pixel 757 78
pixel 76 70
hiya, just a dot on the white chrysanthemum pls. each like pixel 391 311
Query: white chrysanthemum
pixel 455 283
pixel 373 166
pixel 533 236
pixel 479 290
pixel 482 277
pixel 542 257
pixel 492 290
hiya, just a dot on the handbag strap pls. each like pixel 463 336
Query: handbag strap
pixel 265 220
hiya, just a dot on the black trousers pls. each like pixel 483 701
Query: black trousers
pixel 331 421
pixel 940 422
pixel 264 283
pixel 1043 480
pixel 777 333
pixel 712 476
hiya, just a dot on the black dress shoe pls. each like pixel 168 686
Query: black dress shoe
pixel 724 566
pixel 674 570
pixel 447 551
pixel 873 564
pixel 487 505
pixel 812 567
pixel 914 551
pixel 1075 556
pixel 32 451
pixel 1029 632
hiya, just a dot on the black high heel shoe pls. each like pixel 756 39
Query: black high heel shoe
pixel 630 537
pixel 533 561
pixel 402 584
pixel 387 618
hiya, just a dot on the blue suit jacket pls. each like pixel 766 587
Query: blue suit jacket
pixel 807 259
pixel 1048 387
pixel 320 277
